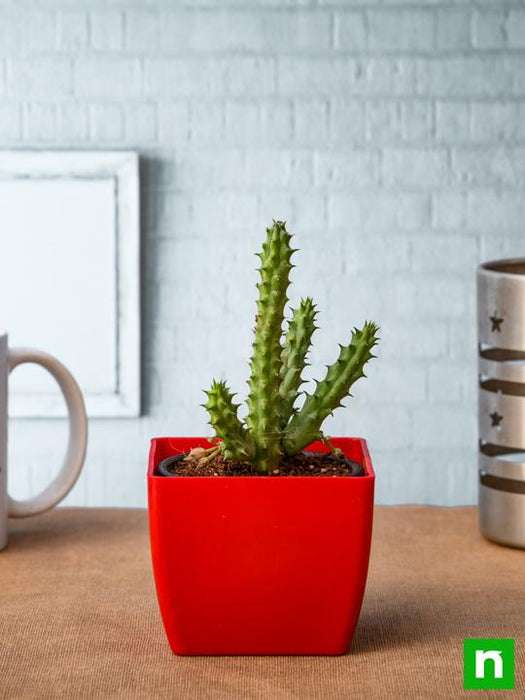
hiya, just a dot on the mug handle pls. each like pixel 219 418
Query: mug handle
pixel 77 442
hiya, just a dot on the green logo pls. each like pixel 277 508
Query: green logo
pixel 488 663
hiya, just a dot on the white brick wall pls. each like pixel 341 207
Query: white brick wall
pixel 390 135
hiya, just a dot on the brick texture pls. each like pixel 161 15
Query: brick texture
pixel 390 135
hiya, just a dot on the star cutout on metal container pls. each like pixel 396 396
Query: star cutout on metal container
pixel 496 419
pixel 496 322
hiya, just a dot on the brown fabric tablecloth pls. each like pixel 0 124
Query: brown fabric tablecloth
pixel 79 618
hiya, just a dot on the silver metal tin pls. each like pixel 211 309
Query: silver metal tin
pixel 501 336
pixel 502 516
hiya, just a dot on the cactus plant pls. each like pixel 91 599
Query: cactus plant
pixel 274 426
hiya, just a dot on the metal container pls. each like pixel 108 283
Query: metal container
pixel 501 336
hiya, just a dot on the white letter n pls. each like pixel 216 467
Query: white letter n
pixel 482 656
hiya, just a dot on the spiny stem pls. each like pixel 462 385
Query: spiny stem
pixel 296 345
pixel 263 419
pixel 305 426
pixel 236 441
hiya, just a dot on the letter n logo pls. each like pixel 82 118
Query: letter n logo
pixel 488 663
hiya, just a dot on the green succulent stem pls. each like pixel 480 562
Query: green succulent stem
pixel 263 419
pixel 209 455
pixel 328 442
pixel 293 357
pixel 236 442
pixel 305 425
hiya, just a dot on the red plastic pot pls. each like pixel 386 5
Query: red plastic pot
pixel 260 565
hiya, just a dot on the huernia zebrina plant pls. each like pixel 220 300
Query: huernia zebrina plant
pixel 274 426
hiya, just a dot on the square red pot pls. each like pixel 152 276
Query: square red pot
pixel 260 565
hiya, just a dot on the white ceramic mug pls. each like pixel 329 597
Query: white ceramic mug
pixel 76 448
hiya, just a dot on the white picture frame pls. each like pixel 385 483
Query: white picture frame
pixel 114 175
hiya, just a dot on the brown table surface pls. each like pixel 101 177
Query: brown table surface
pixel 79 618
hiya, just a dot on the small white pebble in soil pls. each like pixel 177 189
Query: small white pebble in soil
pixel 275 471
pixel 323 470
pixel 312 466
